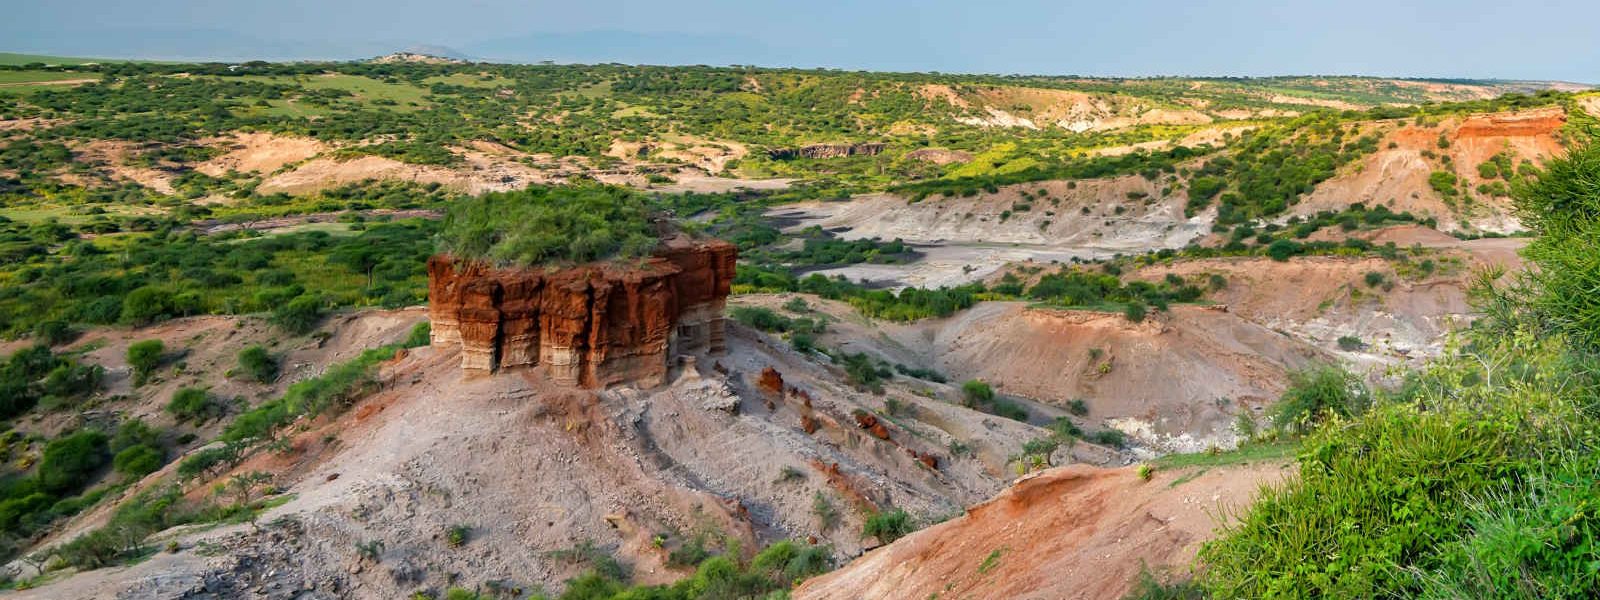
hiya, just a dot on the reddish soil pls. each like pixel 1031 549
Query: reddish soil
pixel 1068 533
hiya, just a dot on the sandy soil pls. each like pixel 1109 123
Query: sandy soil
pixel 108 158
pixel 963 239
pixel 263 153
pixel 1073 111
pixel 482 172
pixel 1102 525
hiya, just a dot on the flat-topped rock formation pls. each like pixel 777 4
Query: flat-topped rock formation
pixel 827 151
pixel 592 325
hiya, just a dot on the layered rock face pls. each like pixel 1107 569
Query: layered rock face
pixel 591 325
pixel 827 151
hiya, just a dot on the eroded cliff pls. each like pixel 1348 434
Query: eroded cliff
pixel 591 325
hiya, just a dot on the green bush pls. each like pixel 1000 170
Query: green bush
pixel 975 393
pixel 1109 437
pixel 138 461
pixel 299 315
pixel 887 526
pixel 1317 394
pixel 543 224
pixel 1281 249
pixel 258 364
pixel 1562 204
pixel 54 333
pixel 70 461
pixel 1009 410
pixel 147 305
pixel 420 335
pixel 764 319
pixel 192 404
pixel 143 357
pixel 1134 312
pixel 1078 408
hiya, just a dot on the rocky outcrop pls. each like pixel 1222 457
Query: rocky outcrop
pixel 592 325
pixel 827 151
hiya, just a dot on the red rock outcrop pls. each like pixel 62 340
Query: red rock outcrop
pixel 771 381
pixel 591 325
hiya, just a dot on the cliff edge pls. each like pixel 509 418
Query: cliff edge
pixel 591 325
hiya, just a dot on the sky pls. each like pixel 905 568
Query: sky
pixel 1525 39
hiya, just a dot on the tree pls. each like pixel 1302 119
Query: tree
pixel 146 305
pixel 54 333
pixel 1280 250
pixel 70 461
pixel 144 357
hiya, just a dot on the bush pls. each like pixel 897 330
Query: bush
pixel 1134 312
pixel 887 526
pixel 1077 407
pixel 146 305
pixel 299 315
pixel 803 343
pixel 1010 410
pixel 421 335
pixel 1281 249
pixel 1562 204
pixel 764 319
pixel 1546 540
pixel 975 393
pixel 258 364
pixel 1317 393
pixel 192 404
pixel 1374 279
pixel 1109 437
pixel 54 333
pixel 1350 343
pixel 144 356
pixel 70 461
pixel 138 461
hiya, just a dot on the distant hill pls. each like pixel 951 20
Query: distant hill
pixel 411 56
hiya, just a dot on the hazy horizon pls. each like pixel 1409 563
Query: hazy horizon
pixel 1465 40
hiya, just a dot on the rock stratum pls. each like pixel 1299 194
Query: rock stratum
pixel 828 151
pixel 592 325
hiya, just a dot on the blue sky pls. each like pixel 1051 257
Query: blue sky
pixel 1459 38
